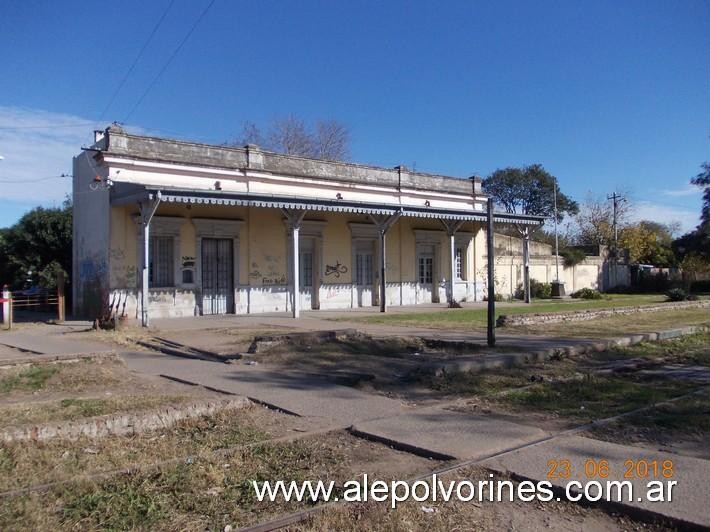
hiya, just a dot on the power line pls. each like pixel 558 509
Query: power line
pixel 50 126
pixel 170 59
pixel 34 180
pixel 135 61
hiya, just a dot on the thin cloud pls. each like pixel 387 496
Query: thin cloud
pixel 665 214
pixel 33 151
pixel 687 190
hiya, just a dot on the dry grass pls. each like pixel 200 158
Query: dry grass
pixel 474 515
pixel 618 325
pixel 75 376
pixel 471 318
pixel 29 463
pixel 571 390
pixel 125 337
pixel 204 492
pixel 684 423
pixel 77 408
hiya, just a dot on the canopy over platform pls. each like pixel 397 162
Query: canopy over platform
pixel 126 193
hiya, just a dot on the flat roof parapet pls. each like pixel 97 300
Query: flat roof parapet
pixel 118 142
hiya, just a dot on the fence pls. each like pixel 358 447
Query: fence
pixel 33 300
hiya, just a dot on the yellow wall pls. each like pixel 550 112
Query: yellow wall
pixel 122 250
pixel 266 257
pixel 337 248
pixel 263 244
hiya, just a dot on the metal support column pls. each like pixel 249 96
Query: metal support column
pixel 451 226
pixel 294 218
pixel 147 210
pixel 491 277
pixel 383 223
pixel 526 264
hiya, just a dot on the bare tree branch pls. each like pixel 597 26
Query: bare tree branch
pixel 328 140
pixel 331 140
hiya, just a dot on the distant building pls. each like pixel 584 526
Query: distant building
pixel 240 230
pixel 595 271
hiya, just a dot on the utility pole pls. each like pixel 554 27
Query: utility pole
pixel 616 199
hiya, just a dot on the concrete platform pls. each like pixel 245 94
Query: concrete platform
pixel 303 395
pixel 448 434
pixel 55 343
pixel 689 502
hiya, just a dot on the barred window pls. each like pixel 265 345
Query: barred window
pixel 459 263
pixel 162 265
pixel 363 269
pixel 306 269
pixel 426 267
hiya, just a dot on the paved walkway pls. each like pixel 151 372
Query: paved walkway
pixel 305 395
pixel 450 434
pixel 41 339
pixel 689 494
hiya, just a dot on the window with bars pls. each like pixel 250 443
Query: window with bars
pixel 162 266
pixel 426 264
pixel 363 269
pixel 459 263
pixel 306 268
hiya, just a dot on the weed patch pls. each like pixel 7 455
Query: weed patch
pixel 690 349
pixel 595 397
pixel 83 407
pixel 71 409
pixel 28 379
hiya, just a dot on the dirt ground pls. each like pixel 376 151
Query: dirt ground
pixel 101 376
pixel 474 515
pixel 219 340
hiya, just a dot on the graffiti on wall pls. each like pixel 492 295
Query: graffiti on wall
pixel 336 270
pixel 269 273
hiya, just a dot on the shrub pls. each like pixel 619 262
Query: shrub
pixel 652 282
pixel 538 290
pixel 586 293
pixel 677 294
pixel 700 286
pixel 572 256
pixel 621 289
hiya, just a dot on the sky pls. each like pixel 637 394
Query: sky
pixel 607 95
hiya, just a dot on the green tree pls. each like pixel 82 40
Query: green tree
pixel 594 223
pixel 41 243
pixel 528 190
pixel 698 241
pixel 703 180
pixel 648 243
